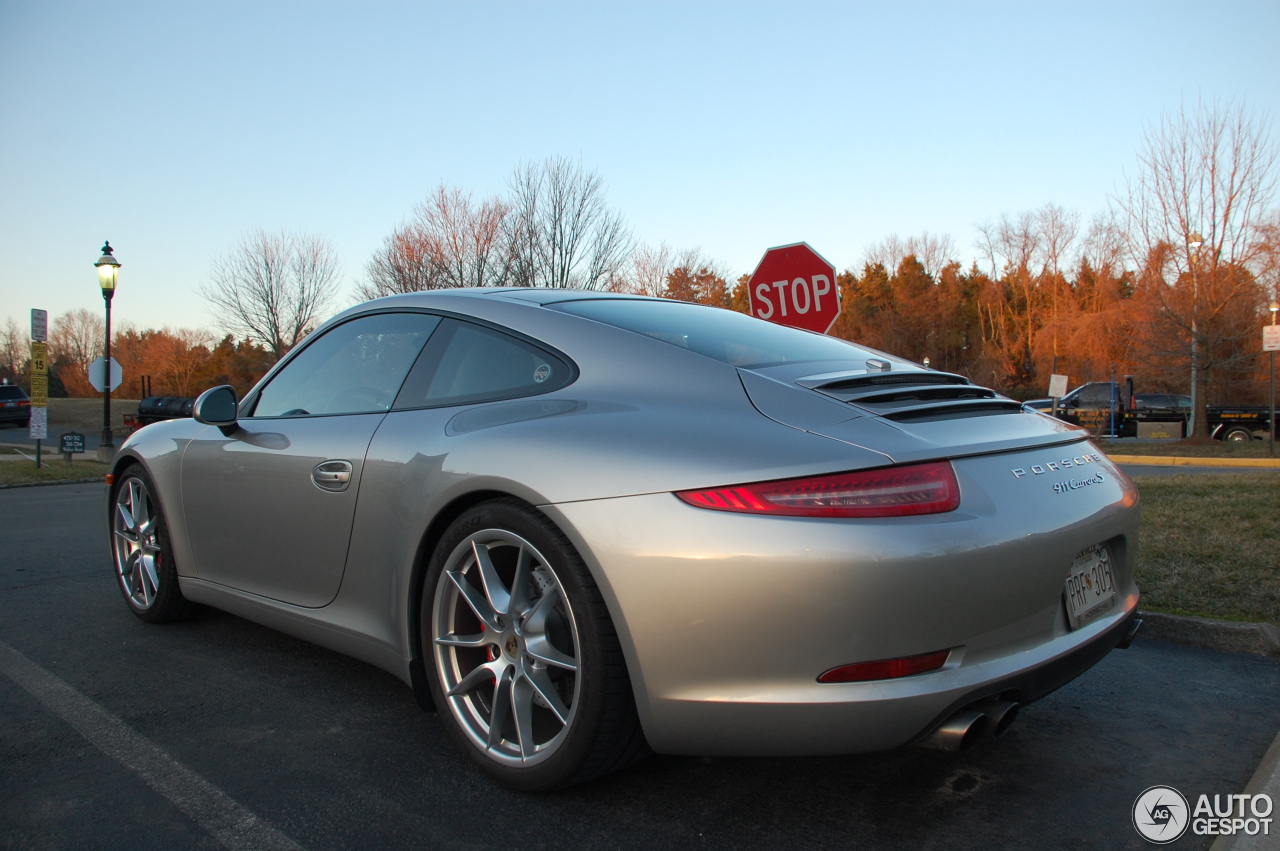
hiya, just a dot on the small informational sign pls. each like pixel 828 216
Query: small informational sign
pixel 39 428
pixel 40 358
pixel 39 423
pixel 71 443
pixel 39 325
pixel 97 374
pixel 1057 386
pixel 1271 338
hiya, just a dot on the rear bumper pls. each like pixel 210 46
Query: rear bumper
pixel 727 620
pixel 1030 685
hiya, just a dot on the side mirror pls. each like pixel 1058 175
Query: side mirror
pixel 217 407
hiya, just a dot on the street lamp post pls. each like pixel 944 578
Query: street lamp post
pixel 108 274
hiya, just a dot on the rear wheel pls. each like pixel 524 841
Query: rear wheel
pixel 1239 434
pixel 526 665
pixel 142 553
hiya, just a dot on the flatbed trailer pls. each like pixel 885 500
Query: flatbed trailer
pixel 1096 405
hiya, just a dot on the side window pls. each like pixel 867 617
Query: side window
pixel 355 368
pixel 468 363
pixel 1096 396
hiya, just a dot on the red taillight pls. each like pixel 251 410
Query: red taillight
pixel 888 492
pixel 24 403
pixel 886 669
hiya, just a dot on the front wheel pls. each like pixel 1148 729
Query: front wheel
pixel 526 665
pixel 142 553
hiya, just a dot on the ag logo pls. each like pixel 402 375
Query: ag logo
pixel 1161 815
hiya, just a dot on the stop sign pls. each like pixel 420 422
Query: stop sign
pixel 794 285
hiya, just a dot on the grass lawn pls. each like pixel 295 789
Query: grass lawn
pixel 51 469
pixel 86 414
pixel 1211 545
pixel 1186 449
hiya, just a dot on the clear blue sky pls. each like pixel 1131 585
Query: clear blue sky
pixel 174 128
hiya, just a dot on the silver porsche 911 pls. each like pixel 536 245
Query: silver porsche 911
pixel 584 526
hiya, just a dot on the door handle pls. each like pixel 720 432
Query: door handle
pixel 332 475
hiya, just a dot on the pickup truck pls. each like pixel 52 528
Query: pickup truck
pixel 1090 405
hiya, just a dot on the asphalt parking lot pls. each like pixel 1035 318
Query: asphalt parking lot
pixel 217 732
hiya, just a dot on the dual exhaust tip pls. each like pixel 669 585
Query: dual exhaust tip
pixel 965 728
pixel 992 717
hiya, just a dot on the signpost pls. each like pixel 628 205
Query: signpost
pixel 39 386
pixel 793 285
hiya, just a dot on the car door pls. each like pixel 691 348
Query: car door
pixel 269 508
pixel 471 378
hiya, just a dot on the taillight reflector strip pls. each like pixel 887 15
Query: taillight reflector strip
pixel 887 492
pixel 886 669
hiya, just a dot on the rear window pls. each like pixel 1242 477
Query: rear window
pixel 725 335
pixel 11 392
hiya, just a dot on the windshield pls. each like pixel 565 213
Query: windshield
pixel 725 335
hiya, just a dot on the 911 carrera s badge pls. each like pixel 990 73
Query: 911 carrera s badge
pixel 541 374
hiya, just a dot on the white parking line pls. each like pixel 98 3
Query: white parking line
pixel 215 811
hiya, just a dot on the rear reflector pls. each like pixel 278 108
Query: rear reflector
pixel 886 669
pixel 887 492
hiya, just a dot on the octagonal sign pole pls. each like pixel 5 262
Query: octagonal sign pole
pixel 794 285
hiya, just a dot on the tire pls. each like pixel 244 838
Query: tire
pixel 142 552
pixel 524 661
pixel 1238 434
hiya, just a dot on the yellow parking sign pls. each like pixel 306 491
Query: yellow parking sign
pixel 39 375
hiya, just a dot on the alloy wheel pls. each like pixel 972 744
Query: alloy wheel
pixel 138 553
pixel 506 648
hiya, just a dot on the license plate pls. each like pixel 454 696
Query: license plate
pixel 1090 587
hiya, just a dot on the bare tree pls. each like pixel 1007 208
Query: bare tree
pixel 15 350
pixel 651 268
pixel 933 251
pixel 1266 260
pixel 76 338
pixel 1204 183
pixel 404 264
pixel 449 242
pixel 181 355
pixel 561 232
pixel 273 287
pixel 1058 230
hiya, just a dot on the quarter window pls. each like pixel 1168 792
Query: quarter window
pixel 468 363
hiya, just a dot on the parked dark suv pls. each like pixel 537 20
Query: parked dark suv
pixel 15 405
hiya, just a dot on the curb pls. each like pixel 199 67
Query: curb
pixel 1182 461
pixel 1265 781
pixel 1261 639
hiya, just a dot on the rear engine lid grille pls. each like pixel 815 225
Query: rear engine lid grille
pixel 913 396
